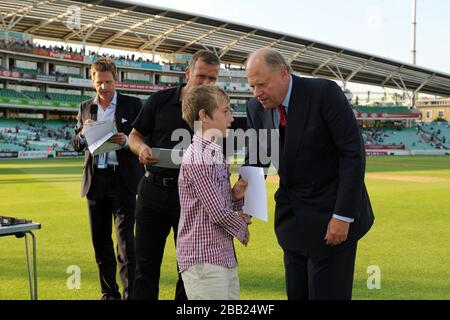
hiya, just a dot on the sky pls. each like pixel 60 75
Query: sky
pixel 378 27
pixel 381 27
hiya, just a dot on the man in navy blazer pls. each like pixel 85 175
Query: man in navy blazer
pixel 322 206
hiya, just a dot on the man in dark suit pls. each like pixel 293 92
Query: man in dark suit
pixel 322 206
pixel 110 180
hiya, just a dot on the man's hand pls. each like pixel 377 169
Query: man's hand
pixel 238 190
pixel 146 155
pixel 337 232
pixel 118 138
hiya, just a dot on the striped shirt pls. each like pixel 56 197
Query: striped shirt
pixel 207 219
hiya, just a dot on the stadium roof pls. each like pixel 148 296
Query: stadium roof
pixel 131 26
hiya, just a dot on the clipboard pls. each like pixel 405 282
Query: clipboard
pixel 168 158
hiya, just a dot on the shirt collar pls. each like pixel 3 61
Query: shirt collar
pixel 288 95
pixel 204 143
pixel 176 95
pixel 112 104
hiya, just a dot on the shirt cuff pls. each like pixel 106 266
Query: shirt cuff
pixel 125 145
pixel 345 219
pixel 242 231
pixel 237 206
pixel 83 141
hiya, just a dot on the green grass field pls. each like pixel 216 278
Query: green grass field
pixel 409 241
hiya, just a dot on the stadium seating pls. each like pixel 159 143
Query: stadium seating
pixel 381 109
pixel 438 134
pixel 234 86
pixel 67 97
pixel 168 84
pixel 422 137
pixel 73 75
pixel 239 107
pixel 38 95
pixel 10 93
pixel 28 71
pixel 35 135
pixel 146 82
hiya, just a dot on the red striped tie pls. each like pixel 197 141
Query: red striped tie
pixel 283 119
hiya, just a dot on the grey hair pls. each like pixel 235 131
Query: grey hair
pixel 273 59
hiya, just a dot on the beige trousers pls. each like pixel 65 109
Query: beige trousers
pixel 206 281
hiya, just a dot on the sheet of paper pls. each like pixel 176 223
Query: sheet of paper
pixel 105 147
pixel 97 134
pixel 255 201
pixel 168 158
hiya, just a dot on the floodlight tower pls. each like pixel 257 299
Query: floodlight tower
pixel 413 31
pixel 413 51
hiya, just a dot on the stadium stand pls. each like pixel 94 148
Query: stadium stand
pixel 383 109
pixel 137 81
pixel 9 93
pixel 37 95
pixel 57 72
pixel 25 70
pixel 35 135
pixel 430 136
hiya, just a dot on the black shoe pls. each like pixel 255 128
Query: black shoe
pixel 110 296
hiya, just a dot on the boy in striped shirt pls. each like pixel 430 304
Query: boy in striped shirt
pixel 211 211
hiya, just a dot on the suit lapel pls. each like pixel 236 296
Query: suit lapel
pixel 268 118
pixel 87 109
pixel 119 112
pixel 297 115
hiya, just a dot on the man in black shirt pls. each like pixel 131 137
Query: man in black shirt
pixel 158 204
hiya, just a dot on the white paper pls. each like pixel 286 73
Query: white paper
pixel 255 201
pixel 104 147
pixel 97 134
pixel 168 158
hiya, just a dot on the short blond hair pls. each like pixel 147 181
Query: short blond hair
pixel 104 64
pixel 206 97
pixel 206 56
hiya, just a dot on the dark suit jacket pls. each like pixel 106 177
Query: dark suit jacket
pixel 321 169
pixel 127 108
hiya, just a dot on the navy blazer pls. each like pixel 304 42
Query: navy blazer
pixel 321 167
pixel 127 109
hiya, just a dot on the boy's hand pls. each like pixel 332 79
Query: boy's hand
pixel 238 190
pixel 246 238
pixel 246 218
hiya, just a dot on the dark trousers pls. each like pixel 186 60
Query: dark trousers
pixel 109 199
pixel 330 278
pixel 157 211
